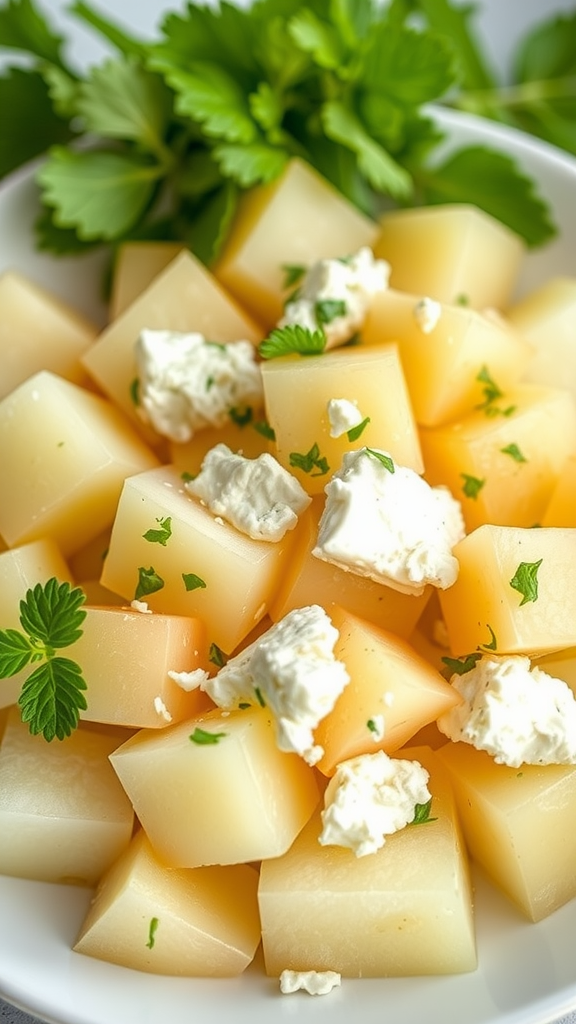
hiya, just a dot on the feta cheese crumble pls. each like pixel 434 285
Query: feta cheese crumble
pixel 257 496
pixel 316 983
pixel 370 797
pixel 335 295
pixel 427 313
pixel 343 416
pixel 389 524
pixel 187 383
pixel 518 714
pixel 292 670
pixel 140 606
pixel 161 709
pixel 189 681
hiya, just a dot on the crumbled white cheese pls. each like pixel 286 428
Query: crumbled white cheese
pixel 343 416
pixel 188 681
pixel 161 709
pixel 518 714
pixel 316 983
pixel 390 526
pixel 368 798
pixel 377 727
pixel 258 496
pixel 187 383
pixel 140 606
pixel 351 282
pixel 292 669
pixel 427 313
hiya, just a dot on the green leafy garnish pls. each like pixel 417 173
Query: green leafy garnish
pixel 311 462
pixel 293 274
pixel 259 697
pixel 460 666
pixel 386 460
pixel 493 644
pixel 525 581
pixel 264 428
pixel 472 485
pixel 355 432
pixel 241 417
pixel 149 582
pixel 217 656
pixel 205 738
pixel 327 310
pixel 422 814
pixel 161 535
pixel 490 389
pixel 152 929
pixel 514 452
pixel 283 341
pixel 51 697
pixel 372 726
pixel 135 391
pixel 192 581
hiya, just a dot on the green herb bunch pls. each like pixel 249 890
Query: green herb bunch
pixel 161 139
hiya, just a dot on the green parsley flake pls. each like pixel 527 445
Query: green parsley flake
pixel 204 738
pixel 490 389
pixel 309 461
pixel 381 457
pixel 514 452
pixel 217 656
pixel 193 582
pixel 283 341
pixel 371 724
pixel 460 666
pixel 293 274
pixel 149 582
pixel 422 814
pixel 525 581
pixel 264 428
pixel 188 477
pixel 259 697
pixel 135 391
pixel 493 645
pixel 472 485
pixel 161 536
pixel 241 417
pixel 327 310
pixel 153 928
pixel 355 432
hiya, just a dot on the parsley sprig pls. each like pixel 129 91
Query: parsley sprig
pixel 51 697
pixel 179 127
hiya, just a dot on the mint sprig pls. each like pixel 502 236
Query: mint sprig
pixel 51 698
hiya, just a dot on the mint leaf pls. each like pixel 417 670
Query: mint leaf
pixel 293 338
pixel 525 581
pixel 16 652
pixel 379 168
pixel 22 27
pixel 493 182
pixel 25 100
pixel 122 100
pixel 52 698
pixel 100 194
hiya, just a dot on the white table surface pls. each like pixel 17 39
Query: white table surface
pixel 500 23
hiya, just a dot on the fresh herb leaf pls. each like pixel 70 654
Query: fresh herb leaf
pixel 311 460
pixel 355 432
pixel 472 485
pixel 162 535
pixel 514 452
pixel 135 391
pixel 209 94
pixel 265 429
pixel 149 582
pixel 386 460
pixel 259 697
pixel 422 814
pixel 25 100
pixel 16 651
pixel 121 100
pixel 460 666
pixel 327 310
pixel 22 27
pixel 52 698
pixel 381 170
pixel 525 581
pixel 152 929
pixel 52 616
pixel 204 738
pixel 371 724
pixel 284 341
pixel 192 581
pixel 293 274
pixel 241 417
pixel 490 389
pixel 493 645
pixel 217 656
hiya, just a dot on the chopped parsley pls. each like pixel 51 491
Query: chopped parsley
pixel 204 738
pixel 192 581
pixel 472 485
pixel 514 452
pixel 460 666
pixel 149 582
pixel 259 697
pixel 372 726
pixel 153 928
pixel 162 535
pixel 355 432
pixel 525 581
pixel 264 428
pixel 217 656
pixel 327 310
pixel 241 417
pixel 493 645
pixel 422 814
pixel 293 274
pixel 490 389
pixel 284 341
pixel 135 391
pixel 386 460
pixel 311 460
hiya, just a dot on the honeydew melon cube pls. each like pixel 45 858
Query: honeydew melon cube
pixel 308 580
pixel 296 220
pixel 483 611
pixel 518 824
pixel 194 923
pixel 21 568
pixel 546 319
pixel 125 657
pixel 64 455
pixel 297 390
pixel 135 267
pixel 206 568
pixel 64 817
pixel 392 693
pixel 503 468
pixel 451 252
pixel 404 910
pixel 183 297
pixel 39 332
pixel 235 799
pixel 561 508
pixel 443 368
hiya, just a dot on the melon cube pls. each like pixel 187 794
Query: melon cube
pixel 38 332
pixel 392 693
pixel 404 910
pixel 518 824
pixel 546 319
pixel 297 390
pixel 64 817
pixel 561 508
pixel 296 220
pixel 504 468
pixel 216 789
pixel 451 252
pixel 193 923
pixel 446 367
pixel 135 267
pixel 64 455
pixel 483 609
pixel 201 566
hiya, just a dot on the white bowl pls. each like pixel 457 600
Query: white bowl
pixel 526 973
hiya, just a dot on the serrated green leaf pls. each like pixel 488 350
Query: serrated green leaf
pixel 127 45
pixel 492 181
pixel 100 194
pixel 291 339
pixel 59 241
pixel 379 168
pixel 407 66
pixel 52 698
pixel 23 27
pixel 121 100
pixel 353 19
pixel 548 50
pixel 453 21
pixel 211 96
pixel 16 652
pixel 52 613
pixel 63 91
pixel 222 34
pixel 265 106
pixel 209 228
pixel 25 101
pixel 253 164
pixel 318 38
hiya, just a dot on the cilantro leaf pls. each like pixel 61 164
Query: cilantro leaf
pixel 25 100
pixel 493 182
pixel 525 581
pixel 380 169
pixel 284 341
pixel 472 485
pixel 52 698
pixel 514 452
pixel 100 194
pixel 52 614
pixel 223 35
pixel 122 100
pixel 22 27
pixel 61 241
